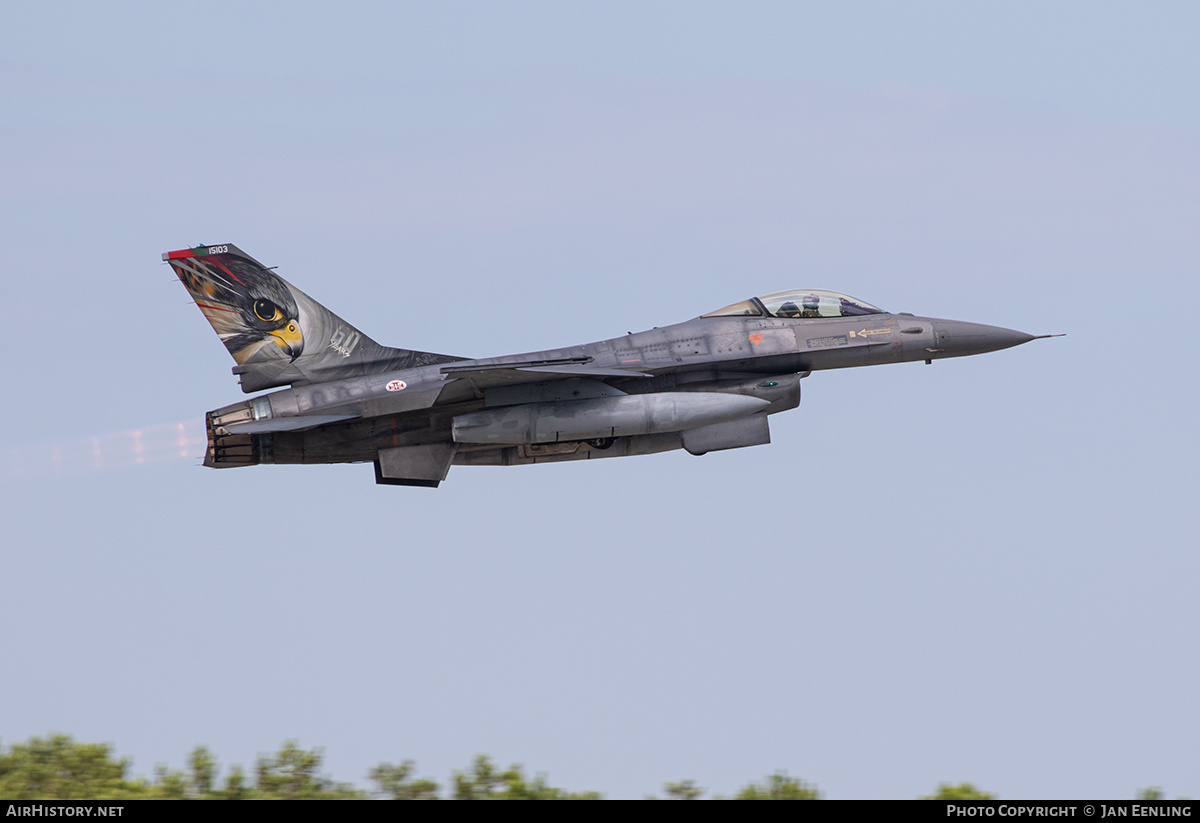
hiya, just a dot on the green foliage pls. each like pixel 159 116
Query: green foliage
pixel 484 782
pixel 235 786
pixel 203 768
pixel 394 782
pixel 779 787
pixel 963 791
pixel 169 785
pixel 683 790
pixel 519 789
pixel 292 774
pixel 58 768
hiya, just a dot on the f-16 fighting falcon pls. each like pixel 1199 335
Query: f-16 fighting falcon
pixel 703 385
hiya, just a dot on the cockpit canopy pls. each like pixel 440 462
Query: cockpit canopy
pixel 798 303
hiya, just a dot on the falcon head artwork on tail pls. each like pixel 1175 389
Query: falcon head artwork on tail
pixel 248 306
pixel 277 334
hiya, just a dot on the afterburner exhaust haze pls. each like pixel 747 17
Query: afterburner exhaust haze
pixel 114 450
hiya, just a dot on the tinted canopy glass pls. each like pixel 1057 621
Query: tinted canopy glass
pixel 744 308
pixel 815 303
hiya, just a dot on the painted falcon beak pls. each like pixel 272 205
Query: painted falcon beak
pixel 290 339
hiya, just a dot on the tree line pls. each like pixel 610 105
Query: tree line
pixel 60 768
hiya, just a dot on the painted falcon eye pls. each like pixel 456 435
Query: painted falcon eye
pixel 266 310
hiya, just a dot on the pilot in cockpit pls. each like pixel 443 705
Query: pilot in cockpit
pixel 811 303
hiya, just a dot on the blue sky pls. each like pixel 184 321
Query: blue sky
pixel 981 570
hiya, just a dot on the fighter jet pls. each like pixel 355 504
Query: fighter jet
pixel 703 385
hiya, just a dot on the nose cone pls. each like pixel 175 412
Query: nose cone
pixel 954 338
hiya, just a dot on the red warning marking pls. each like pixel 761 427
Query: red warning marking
pixel 756 339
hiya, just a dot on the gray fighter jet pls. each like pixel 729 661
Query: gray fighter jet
pixel 703 385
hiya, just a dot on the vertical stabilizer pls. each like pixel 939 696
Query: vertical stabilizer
pixel 277 334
